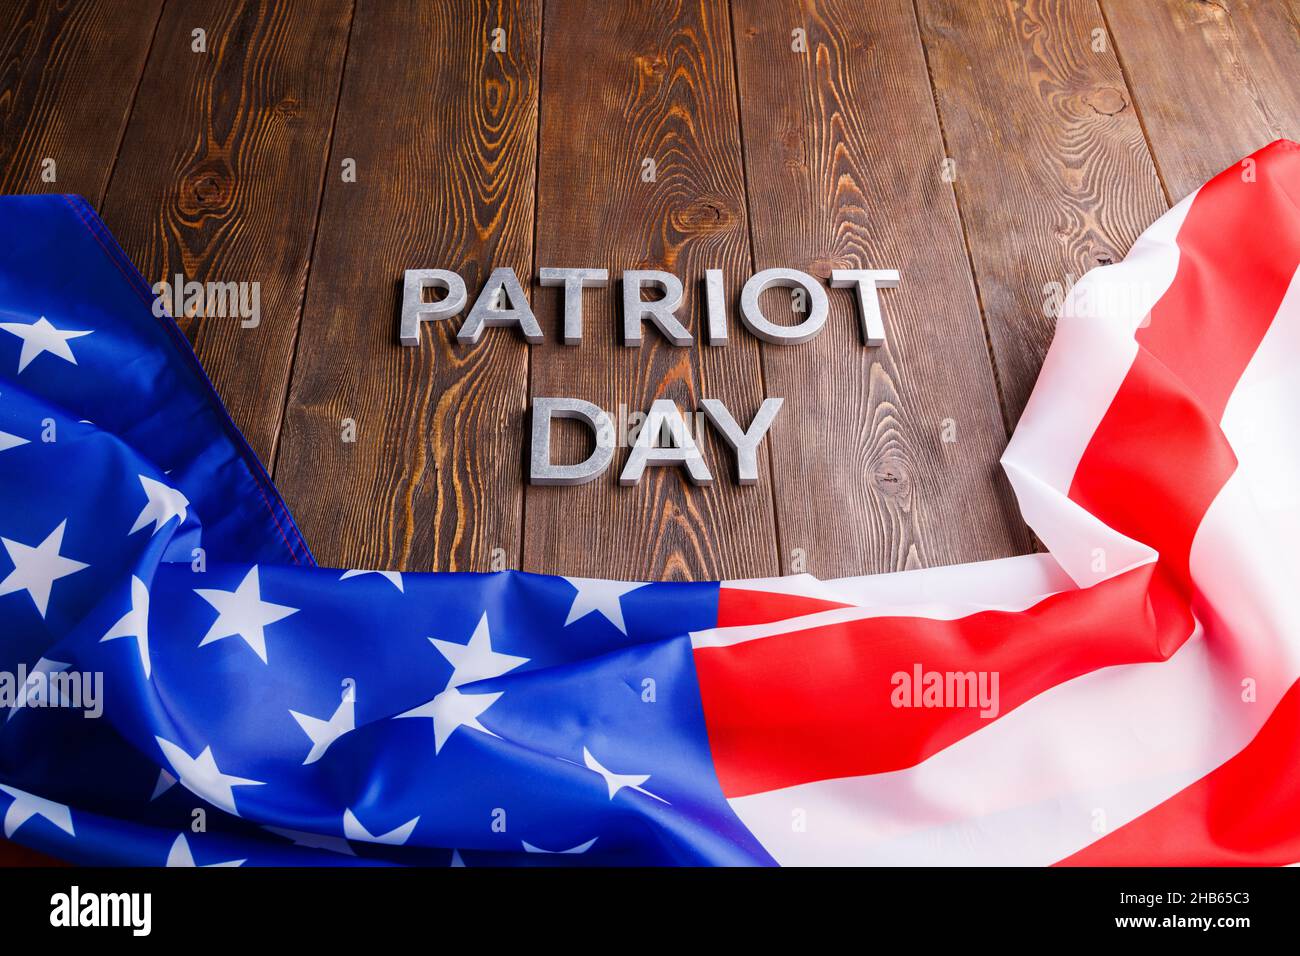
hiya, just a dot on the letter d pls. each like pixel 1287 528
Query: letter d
pixel 543 470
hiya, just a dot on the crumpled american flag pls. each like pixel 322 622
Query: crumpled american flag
pixel 257 709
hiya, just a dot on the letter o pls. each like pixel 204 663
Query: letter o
pixel 753 317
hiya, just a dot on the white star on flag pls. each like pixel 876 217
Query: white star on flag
pixel 135 623
pixel 243 613
pixel 8 441
pixel 164 503
pixel 36 677
pixel 40 336
pixel 325 732
pixel 452 710
pixel 617 781
pixel 202 776
pixel 476 660
pixel 27 805
pixel 580 848
pixel 603 596
pixel 37 568
pixel 180 855
pixel 353 829
pixel 393 577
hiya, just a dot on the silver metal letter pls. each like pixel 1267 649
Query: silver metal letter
pixel 543 472
pixel 485 312
pixel 867 281
pixel 415 310
pixel 660 311
pixel 574 281
pixel 716 300
pixel 787 279
pixel 744 442
pixel 646 450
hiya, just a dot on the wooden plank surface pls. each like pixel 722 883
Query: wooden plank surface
pixel 68 73
pixel 226 166
pixel 219 178
pixel 844 157
pixel 444 180
pixel 1053 175
pixel 1214 80
pixel 625 83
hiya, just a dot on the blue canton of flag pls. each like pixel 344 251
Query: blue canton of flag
pixel 314 716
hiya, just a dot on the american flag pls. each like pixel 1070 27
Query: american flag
pixel 257 709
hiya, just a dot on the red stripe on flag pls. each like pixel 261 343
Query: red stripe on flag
pixel 818 703
pixel 1240 248
pixel 1240 256
pixel 1246 812
pixel 1158 459
pixel 740 606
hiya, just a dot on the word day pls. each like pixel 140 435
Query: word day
pixel 502 302
pixel 663 439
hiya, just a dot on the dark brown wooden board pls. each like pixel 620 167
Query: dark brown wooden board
pixel 1053 175
pixel 68 73
pixel 626 82
pixel 844 157
pixel 219 178
pixel 443 132
pixel 227 165
pixel 1214 80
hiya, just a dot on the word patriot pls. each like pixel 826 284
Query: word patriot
pixel 502 302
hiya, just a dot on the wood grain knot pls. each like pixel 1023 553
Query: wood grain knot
pixel 705 215
pixel 1203 10
pixel 205 189
pixel 652 64
pixel 1106 101
pixel 891 479
pixel 288 108
pixel 496 97
pixel 823 267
